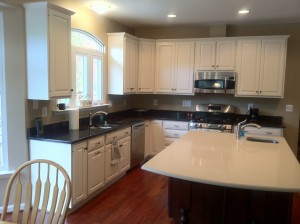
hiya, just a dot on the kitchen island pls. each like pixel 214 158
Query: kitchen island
pixel 215 178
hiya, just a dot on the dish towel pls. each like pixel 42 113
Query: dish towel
pixel 115 151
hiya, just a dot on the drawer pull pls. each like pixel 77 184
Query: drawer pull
pixel 97 153
pixel 269 133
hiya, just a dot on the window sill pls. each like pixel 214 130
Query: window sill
pixel 5 174
pixel 81 108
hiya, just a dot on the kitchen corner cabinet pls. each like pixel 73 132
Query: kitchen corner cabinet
pixel 146 66
pixel 48 47
pixel 213 55
pixel 260 66
pixel 174 67
pixel 122 63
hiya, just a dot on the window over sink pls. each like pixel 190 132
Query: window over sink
pixel 87 70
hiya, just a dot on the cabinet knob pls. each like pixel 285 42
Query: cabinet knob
pixel 120 145
pixel 256 91
pixel 85 148
pixel 71 90
pixel 260 91
pixel 212 66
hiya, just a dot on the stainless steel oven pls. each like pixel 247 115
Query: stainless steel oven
pixel 214 82
pixel 213 117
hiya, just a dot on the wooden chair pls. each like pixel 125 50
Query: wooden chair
pixel 41 197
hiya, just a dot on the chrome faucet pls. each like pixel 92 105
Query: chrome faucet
pixel 94 114
pixel 241 127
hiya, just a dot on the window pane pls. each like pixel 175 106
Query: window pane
pixel 81 77
pixel 80 39
pixel 97 79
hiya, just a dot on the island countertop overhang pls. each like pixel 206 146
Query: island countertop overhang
pixel 220 159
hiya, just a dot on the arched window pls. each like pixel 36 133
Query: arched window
pixel 87 69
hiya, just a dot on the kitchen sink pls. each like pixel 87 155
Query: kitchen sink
pixel 104 126
pixel 264 140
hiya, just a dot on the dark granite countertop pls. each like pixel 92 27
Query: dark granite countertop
pixel 60 132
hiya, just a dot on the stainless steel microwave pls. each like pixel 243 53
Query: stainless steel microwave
pixel 214 82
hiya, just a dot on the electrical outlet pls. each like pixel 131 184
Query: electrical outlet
pixel 289 108
pixel 110 103
pixel 250 105
pixel 44 111
pixel 155 102
pixel 186 103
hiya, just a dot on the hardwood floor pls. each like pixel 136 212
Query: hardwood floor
pixel 139 197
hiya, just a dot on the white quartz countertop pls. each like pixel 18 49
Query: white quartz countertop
pixel 221 159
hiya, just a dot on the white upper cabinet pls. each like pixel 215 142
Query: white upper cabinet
pixel 48 42
pixel 146 66
pixel 260 66
pixel 213 54
pixel 122 63
pixel 174 67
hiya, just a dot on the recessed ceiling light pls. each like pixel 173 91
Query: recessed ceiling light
pixel 100 7
pixel 244 11
pixel 172 15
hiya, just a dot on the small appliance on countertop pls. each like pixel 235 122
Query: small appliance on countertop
pixel 253 114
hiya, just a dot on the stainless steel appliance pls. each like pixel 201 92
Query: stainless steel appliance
pixel 137 144
pixel 213 117
pixel 214 82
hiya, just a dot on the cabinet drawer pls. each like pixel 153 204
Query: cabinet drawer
pixel 118 134
pixel 95 143
pixel 175 125
pixel 174 133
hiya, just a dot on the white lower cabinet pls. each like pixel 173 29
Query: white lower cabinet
pixel 95 164
pixel 156 136
pixel 173 130
pixel 79 177
pixel 88 163
pixel 114 168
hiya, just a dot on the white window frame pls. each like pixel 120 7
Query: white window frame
pixel 91 53
pixel 4 166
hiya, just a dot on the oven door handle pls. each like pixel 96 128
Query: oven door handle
pixel 225 84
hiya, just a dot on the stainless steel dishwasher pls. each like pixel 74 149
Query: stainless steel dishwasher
pixel 137 144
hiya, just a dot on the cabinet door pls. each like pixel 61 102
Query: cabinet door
pixel 59 54
pixel 130 66
pixel 95 170
pixel 156 136
pixel 184 67
pixel 205 55
pixel 272 69
pixel 164 74
pixel 124 163
pixel 148 141
pixel 247 67
pixel 146 66
pixel 111 169
pixel 225 55
pixel 79 177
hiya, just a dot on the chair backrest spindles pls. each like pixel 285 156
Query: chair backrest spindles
pixel 57 186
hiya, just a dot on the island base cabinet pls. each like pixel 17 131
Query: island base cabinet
pixel 209 204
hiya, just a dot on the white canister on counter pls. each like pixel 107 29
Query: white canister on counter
pixel 74 119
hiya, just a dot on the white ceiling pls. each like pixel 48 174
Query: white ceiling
pixel 143 13
pixel 147 13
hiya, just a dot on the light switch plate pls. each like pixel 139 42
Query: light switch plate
pixel 289 108
pixel 186 103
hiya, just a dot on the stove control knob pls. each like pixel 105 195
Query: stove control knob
pixel 209 125
pixel 219 126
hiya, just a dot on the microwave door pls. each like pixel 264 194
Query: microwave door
pixel 209 86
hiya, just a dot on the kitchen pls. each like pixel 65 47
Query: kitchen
pixel 99 26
